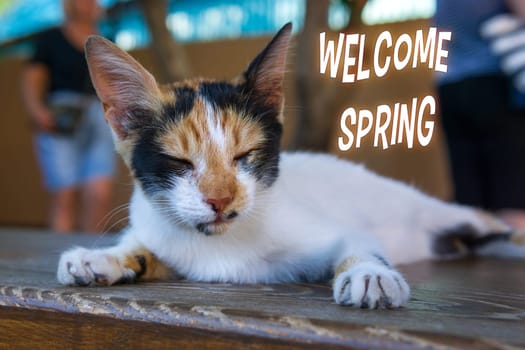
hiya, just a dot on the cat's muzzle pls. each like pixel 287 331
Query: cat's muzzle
pixel 218 225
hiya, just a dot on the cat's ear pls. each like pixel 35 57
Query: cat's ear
pixel 264 76
pixel 127 90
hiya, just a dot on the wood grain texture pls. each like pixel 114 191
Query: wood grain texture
pixel 460 304
pixel 52 330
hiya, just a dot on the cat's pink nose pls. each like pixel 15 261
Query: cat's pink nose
pixel 219 204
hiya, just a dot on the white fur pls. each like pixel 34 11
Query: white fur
pixel 80 266
pixel 214 127
pixel 387 288
pixel 319 212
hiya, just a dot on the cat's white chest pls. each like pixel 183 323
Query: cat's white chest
pixel 275 246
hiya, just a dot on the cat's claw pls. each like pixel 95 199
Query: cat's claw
pixel 84 267
pixel 370 285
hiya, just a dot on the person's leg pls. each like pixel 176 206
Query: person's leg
pixel 62 210
pixel 58 154
pixel 58 163
pixel 505 147
pixel 97 200
pixel 463 150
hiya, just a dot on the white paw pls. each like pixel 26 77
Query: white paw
pixel 369 285
pixel 83 267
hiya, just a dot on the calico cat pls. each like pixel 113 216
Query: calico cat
pixel 215 200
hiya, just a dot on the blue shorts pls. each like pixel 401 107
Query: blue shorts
pixel 88 153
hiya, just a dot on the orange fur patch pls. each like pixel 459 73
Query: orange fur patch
pixel 150 269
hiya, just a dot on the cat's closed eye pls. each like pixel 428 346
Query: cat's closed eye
pixel 243 156
pixel 180 162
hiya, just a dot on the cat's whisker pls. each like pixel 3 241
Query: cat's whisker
pixel 106 226
pixel 121 211
pixel 115 224
pixel 111 214
pixel 106 232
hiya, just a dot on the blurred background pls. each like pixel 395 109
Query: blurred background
pixel 217 39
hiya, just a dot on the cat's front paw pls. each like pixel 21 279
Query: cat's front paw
pixel 370 285
pixel 84 267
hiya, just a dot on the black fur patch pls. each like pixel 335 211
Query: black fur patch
pixel 151 167
pixel 266 168
pixel 184 101
pixel 141 259
pixel 221 94
pixel 465 239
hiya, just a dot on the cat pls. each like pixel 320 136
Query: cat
pixel 215 200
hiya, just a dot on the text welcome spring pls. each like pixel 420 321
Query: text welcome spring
pixel 400 119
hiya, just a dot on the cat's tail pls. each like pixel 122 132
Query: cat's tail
pixel 496 240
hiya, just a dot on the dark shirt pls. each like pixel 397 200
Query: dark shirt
pixel 66 64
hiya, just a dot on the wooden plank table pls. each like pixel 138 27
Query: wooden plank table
pixel 461 304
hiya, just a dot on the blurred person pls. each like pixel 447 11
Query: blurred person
pixel 483 122
pixel 72 141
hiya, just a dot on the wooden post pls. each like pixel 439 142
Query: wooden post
pixel 170 56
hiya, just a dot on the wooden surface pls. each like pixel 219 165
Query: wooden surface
pixel 462 304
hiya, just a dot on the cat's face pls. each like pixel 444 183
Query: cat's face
pixel 205 157
pixel 202 151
